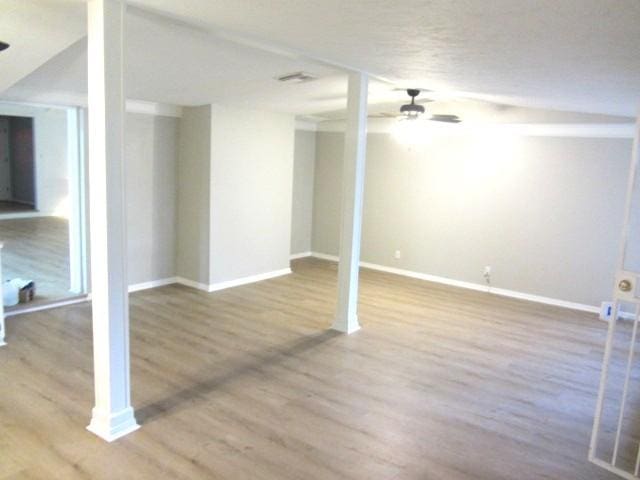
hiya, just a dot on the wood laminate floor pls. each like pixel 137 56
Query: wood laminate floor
pixel 248 383
pixel 37 249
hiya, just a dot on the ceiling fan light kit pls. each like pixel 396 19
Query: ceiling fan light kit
pixel 412 110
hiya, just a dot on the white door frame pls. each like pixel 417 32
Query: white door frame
pixel 625 291
pixel 77 201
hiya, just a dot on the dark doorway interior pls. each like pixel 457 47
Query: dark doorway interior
pixel 17 165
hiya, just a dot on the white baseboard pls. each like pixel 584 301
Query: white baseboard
pixel 192 284
pixel 47 306
pixel 469 285
pixel 26 214
pixel 295 256
pixel 160 283
pixel 214 287
pixel 152 284
pixel 325 256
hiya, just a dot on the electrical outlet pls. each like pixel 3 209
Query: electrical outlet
pixel 397 254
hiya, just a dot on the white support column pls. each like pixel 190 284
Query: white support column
pixel 2 332
pixel 112 415
pixel 355 143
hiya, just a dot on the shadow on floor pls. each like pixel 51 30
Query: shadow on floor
pixel 258 362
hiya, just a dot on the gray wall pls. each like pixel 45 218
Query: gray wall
pixel 151 153
pixel 192 258
pixel 544 212
pixel 251 185
pixel 302 204
pixel 151 161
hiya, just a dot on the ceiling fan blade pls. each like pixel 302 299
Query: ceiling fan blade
pixel 404 89
pixel 382 115
pixel 445 118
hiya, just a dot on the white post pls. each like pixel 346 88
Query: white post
pixel 355 143
pixel 2 334
pixel 113 415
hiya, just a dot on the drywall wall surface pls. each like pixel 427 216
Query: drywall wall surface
pixel 544 212
pixel 327 193
pixel 151 145
pixel 302 203
pixel 251 191
pixel 194 158
pixel 52 184
pixel 151 162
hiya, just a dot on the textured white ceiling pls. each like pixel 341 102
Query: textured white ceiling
pixel 568 54
pixel 575 55
pixel 178 64
pixel 36 30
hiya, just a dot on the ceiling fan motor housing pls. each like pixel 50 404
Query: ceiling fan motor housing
pixel 412 110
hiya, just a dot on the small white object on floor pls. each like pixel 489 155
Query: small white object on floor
pixel 10 294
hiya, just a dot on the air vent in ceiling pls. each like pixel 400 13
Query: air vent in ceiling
pixel 297 77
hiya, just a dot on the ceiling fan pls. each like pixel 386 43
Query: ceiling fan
pixel 414 110
pixel 3 46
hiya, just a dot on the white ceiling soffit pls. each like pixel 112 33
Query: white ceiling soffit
pixel 173 63
pixel 576 55
pixel 36 31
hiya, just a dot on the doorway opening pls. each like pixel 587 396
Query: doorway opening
pixel 42 206
pixel 17 165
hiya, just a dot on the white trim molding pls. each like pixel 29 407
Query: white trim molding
pixel 111 426
pixel 295 256
pixel 136 287
pixel 27 214
pixel 469 285
pixel 48 306
pixel 192 284
pixel 214 287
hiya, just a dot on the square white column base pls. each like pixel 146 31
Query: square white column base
pixel 110 427
pixel 346 325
